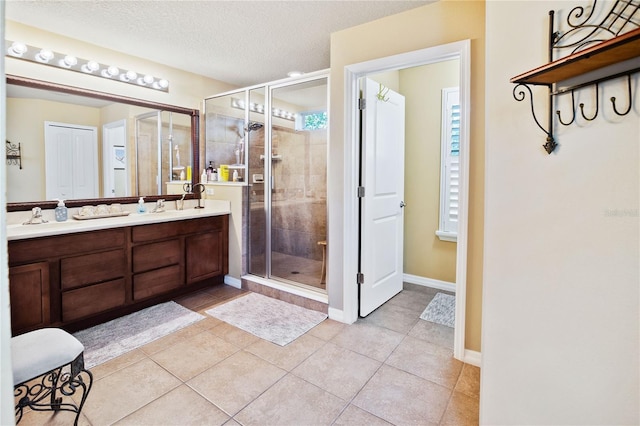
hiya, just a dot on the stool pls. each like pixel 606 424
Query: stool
pixel 323 273
pixel 42 355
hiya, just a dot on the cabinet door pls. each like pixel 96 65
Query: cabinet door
pixel 204 256
pixel 29 296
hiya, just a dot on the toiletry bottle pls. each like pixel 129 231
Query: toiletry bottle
pixel 61 211
pixel 203 177
pixel 210 171
pixel 214 175
pixel 141 207
pixel 235 175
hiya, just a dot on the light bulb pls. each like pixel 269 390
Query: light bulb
pixel 148 79
pixel 129 76
pixel 17 49
pixel 68 61
pixel 90 67
pixel 45 55
pixel 163 83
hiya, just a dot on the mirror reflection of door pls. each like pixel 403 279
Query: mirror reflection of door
pixel 71 161
pixel 114 143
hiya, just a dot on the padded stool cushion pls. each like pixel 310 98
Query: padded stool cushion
pixel 40 351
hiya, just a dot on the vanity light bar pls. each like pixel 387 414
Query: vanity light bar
pixel 18 50
pixel 259 108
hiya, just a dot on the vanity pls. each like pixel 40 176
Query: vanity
pixel 80 273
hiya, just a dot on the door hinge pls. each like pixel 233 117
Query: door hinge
pixel 360 191
pixel 360 278
pixel 362 104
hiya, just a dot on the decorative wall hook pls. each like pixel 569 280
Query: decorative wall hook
pixel 630 98
pixel 573 111
pixel 597 103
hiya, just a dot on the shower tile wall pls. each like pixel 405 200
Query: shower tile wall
pixel 223 135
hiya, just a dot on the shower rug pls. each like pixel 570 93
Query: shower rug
pixel 121 335
pixel 270 319
pixel 441 310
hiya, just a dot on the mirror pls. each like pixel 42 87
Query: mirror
pixel 105 148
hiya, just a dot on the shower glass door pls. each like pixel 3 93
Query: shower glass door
pixel 298 174
pixel 257 213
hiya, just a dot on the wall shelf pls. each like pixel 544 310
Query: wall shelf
pixel 618 49
pixel 593 45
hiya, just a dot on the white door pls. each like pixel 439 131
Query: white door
pixel 71 161
pixel 381 211
pixel 114 159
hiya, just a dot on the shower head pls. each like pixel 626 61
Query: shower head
pixel 254 125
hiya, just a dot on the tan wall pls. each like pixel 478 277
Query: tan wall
pixel 25 124
pixel 431 25
pixel 425 255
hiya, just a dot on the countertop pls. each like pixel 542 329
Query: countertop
pixel 18 231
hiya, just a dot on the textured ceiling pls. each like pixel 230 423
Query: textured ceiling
pixel 239 42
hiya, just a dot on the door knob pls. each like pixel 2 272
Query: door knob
pixel 402 204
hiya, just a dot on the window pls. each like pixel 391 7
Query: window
pixel 450 165
pixel 311 120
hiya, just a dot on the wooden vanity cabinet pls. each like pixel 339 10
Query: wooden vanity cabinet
pixel 78 280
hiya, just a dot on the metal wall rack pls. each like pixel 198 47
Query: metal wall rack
pixel 592 46
pixel 14 155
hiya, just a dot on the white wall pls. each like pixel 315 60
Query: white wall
pixel 561 273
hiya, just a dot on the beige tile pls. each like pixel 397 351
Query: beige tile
pixel 236 381
pixel 402 398
pixel 117 363
pixel 125 391
pixel 181 406
pixel 190 357
pixel 469 381
pixel 208 323
pixel 232 422
pixel 292 401
pixel 327 329
pixel 438 334
pixel 462 410
pixel 426 360
pixel 354 416
pixel 289 356
pixel 337 370
pixel 171 339
pixel 51 418
pixel 234 335
pixel 393 317
pixel 224 291
pixel 195 301
pixel 369 340
pixel 415 301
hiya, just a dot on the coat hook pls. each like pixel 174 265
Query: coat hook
pixel 573 110
pixel 613 99
pixel 597 105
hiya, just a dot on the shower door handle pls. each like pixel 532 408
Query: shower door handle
pixel 402 204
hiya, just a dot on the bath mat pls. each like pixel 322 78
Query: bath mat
pixel 121 335
pixel 270 319
pixel 441 310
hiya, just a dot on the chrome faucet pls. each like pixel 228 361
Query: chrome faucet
pixel 36 217
pixel 159 208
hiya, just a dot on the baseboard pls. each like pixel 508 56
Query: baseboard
pixel 337 315
pixel 429 282
pixel 472 357
pixel 233 282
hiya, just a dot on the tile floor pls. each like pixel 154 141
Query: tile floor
pixel 388 368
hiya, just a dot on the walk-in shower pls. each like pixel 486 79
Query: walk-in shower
pixel 285 174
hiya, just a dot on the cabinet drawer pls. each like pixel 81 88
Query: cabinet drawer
pixel 92 268
pixel 65 245
pixel 159 231
pixel 156 282
pixel 156 255
pixel 87 301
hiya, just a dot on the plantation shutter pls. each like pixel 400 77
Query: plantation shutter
pixel 450 175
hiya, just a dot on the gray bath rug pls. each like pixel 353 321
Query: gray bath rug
pixel 270 319
pixel 121 335
pixel 441 310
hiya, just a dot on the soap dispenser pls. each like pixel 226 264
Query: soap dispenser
pixel 141 207
pixel 61 211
